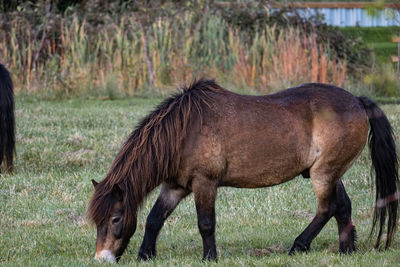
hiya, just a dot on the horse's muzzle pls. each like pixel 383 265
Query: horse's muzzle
pixel 105 255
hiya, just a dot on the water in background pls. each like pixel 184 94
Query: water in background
pixel 355 16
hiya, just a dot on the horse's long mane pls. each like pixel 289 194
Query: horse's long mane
pixel 152 152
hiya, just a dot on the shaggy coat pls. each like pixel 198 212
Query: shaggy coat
pixel 206 137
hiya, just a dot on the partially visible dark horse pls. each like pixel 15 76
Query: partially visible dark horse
pixel 206 137
pixel 7 124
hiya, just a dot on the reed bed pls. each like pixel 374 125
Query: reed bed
pixel 78 59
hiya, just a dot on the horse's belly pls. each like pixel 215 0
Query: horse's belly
pixel 253 176
pixel 264 160
pixel 255 182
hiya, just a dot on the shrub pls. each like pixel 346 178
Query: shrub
pixel 383 82
pixel 76 53
pixel 350 48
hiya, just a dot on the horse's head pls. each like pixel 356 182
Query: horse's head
pixel 114 226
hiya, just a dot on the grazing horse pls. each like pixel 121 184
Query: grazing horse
pixel 7 124
pixel 206 137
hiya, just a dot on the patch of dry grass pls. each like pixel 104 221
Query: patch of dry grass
pixel 110 61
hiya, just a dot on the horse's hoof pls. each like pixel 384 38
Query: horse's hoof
pixel 347 242
pixel 210 257
pixel 347 250
pixel 296 248
pixel 145 256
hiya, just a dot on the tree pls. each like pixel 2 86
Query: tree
pixel 394 13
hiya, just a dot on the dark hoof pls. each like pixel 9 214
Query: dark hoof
pixel 346 251
pixel 210 257
pixel 297 247
pixel 346 248
pixel 347 241
pixel 145 256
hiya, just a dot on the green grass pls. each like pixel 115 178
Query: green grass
pixel 377 38
pixel 372 34
pixel 62 145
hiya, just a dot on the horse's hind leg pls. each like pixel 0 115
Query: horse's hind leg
pixel 340 208
pixel 169 198
pixel 324 187
pixel 205 192
pixel 347 231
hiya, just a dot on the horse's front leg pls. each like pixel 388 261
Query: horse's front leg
pixel 205 192
pixel 169 198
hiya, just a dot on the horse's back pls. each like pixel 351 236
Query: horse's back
pixel 255 141
pixel 319 97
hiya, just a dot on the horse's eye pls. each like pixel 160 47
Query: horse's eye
pixel 116 220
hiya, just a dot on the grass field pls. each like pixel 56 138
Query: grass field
pixel 62 145
pixel 377 38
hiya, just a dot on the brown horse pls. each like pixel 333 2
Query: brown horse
pixel 7 124
pixel 206 137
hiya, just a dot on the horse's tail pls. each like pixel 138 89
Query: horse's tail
pixel 385 163
pixel 7 123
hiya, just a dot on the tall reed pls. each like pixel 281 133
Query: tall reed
pixel 78 59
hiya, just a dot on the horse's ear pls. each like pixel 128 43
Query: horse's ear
pixel 118 192
pixel 94 183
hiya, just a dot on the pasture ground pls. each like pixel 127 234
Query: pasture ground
pixel 62 145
